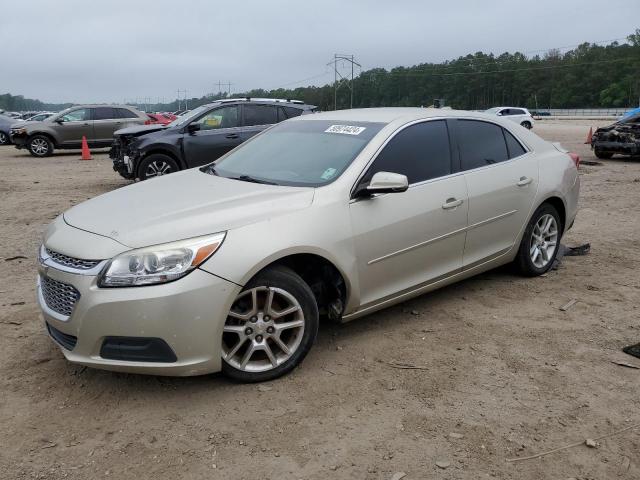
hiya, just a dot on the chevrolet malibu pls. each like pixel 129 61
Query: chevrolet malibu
pixel 229 267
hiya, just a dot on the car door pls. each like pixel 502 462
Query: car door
pixel 105 122
pixel 502 181
pixel 73 126
pixel 406 239
pixel 218 132
pixel 257 117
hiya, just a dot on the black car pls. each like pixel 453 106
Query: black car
pixel 621 137
pixel 199 137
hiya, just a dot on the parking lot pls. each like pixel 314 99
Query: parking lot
pixel 498 365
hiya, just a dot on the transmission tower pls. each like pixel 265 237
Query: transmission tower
pixel 337 83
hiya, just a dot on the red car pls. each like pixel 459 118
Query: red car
pixel 159 119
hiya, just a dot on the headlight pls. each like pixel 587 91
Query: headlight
pixel 159 263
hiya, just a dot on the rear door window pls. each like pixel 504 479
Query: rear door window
pixel 260 115
pixel 104 113
pixel 125 113
pixel 480 143
pixel 420 151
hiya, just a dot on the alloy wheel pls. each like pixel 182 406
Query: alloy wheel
pixel 544 241
pixel 158 168
pixel 3 138
pixel 39 146
pixel 264 328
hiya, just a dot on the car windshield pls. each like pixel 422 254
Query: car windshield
pixel 187 117
pixel 308 153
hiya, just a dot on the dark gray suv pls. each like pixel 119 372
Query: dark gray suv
pixel 65 129
pixel 198 137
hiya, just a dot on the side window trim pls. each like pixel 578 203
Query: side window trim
pixel 377 153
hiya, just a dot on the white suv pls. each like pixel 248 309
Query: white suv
pixel 519 115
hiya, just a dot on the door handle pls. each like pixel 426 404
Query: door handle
pixel 524 181
pixel 451 203
pixel 232 135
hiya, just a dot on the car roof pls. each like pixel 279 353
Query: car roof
pixel 392 114
pixel 266 101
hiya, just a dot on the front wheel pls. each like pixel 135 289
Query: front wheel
pixel 40 146
pixel 270 328
pixel 602 155
pixel 540 242
pixel 527 125
pixel 4 138
pixel 156 165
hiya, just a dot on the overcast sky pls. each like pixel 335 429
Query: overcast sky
pixel 112 50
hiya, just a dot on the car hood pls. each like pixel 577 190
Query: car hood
pixel 138 130
pixel 183 205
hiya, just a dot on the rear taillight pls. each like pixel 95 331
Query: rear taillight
pixel 576 158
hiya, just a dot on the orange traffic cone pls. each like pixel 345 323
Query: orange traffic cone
pixel 86 153
pixel 589 135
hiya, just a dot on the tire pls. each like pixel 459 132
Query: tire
pixel 40 146
pixel 156 165
pixel 4 139
pixel 602 155
pixel 538 252
pixel 249 331
pixel 527 125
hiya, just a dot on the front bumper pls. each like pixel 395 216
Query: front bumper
pixel 188 314
pixel 124 157
pixel 18 139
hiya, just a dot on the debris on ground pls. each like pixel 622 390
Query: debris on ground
pixel 264 388
pixel 17 257
pixel 633 350
pixel 398 475
pixel 592 163
pixel 587 442
pixel 443 464
pixel 625 364
pixel 568 305
pixel 456 436
pixel 406 366
pixel 564 251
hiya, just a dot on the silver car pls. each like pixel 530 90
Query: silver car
pixel 334 215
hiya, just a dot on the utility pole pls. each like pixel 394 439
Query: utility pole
pixel 337 83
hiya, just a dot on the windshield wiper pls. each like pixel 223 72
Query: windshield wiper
pixel 248 178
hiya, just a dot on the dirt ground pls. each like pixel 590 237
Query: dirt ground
pixel 505 370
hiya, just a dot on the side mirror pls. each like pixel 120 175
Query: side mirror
pixel 384 182
pixel 59 121
pixel 193 128
pixel 499 114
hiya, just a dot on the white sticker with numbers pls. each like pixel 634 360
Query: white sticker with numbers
pixel 345 129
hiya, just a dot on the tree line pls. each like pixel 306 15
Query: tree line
pixel 589 75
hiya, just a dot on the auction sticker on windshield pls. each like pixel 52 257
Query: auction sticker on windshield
pixel 345 129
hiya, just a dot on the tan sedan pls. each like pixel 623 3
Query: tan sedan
pixel 231 266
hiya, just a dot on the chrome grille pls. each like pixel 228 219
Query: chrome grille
pixel 59 297
pixel 71 262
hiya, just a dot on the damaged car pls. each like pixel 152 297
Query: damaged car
pixel 199 137
pixel 621 137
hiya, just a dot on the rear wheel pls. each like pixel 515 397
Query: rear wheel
pixel 540 242
pixel 602 155
pixel 4 138
pixel 526 125
pixel 270 328
pixel 156 165
pixel 40 146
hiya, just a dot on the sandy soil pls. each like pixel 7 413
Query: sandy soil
pixel 504 367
